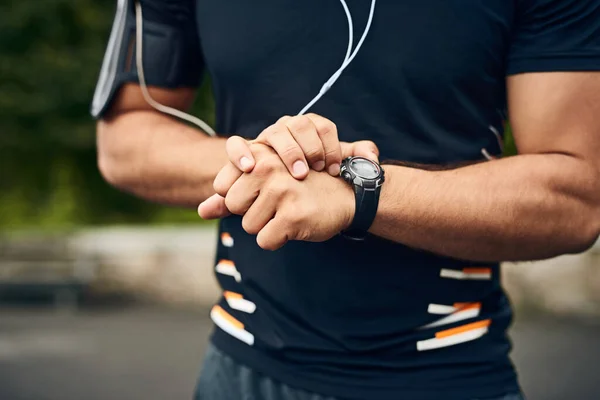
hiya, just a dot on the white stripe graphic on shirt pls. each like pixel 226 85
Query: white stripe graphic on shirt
pixel 467 274
pixel 441 309
pixel 227 267
pixel 222 320
pixel 237 302
pixel 453 336
pixel 458 314
pixel 226 239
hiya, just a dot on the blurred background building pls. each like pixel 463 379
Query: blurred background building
pixel 104 296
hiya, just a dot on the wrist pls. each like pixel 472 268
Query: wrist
pixel 396 198
pixel 347 203
pixel 365 177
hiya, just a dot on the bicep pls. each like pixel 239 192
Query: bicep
pixel 130 98
pixel 556 112
pixel 131 129
pixel 130 117
pixel 129 109
pixel 552 87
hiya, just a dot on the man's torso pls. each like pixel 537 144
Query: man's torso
pixel 343 318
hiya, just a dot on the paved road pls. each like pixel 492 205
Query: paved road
pixel 151 354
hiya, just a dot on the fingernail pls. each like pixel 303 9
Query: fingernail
pixel 200 206
pixel 299 168
pixel 245 163
pixel 334 169
pixel 373 157
pixel 319 165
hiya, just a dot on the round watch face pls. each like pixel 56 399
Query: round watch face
pixel 364 168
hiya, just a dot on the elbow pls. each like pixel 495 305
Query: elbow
pixel 113 171
pixel 584 244
pixel 117 165
pixel 586 235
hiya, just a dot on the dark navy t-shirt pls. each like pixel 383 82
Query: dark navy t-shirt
pixel 378 320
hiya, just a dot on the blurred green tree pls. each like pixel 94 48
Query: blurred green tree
pixel 51 56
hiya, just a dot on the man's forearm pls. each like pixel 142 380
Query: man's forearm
pixel 159 159
pixel 520 208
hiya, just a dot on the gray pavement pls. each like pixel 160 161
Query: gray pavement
pixel 148 353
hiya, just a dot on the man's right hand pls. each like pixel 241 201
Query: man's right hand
pixel 238 147
pixel 302 142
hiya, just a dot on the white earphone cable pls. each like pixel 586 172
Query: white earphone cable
pixel 347 60
pixel 167 110
pixel 350 30
pixel 350 55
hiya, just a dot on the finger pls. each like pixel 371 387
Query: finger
pixel 363 148
pixel 238 151
pixel 281 140
pixel 328 134
pixel 272 236
pixel 213 207
pixel 226 178
pixel 241 195
pixel 305 134
pixel 367 149
pixel 258 215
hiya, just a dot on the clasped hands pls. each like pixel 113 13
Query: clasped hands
pixel 286 183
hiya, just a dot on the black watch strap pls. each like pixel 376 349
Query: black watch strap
pixel 366 201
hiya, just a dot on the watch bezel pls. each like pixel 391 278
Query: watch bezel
pixel 353 178
pixel 371 162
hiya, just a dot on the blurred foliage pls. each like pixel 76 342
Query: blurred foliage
pixel 510 149
pixel 51 56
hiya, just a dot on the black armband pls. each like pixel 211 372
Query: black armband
pixel 171 51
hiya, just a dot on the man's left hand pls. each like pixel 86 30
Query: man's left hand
pixel 276 206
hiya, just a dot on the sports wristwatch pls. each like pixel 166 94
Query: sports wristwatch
pixel 366 177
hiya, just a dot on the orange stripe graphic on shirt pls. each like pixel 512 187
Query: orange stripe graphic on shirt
pixel 464 328
pixel 227 263
pixel 477 270
pixel 453 337
pixel 466 306
pixel 234 322
pixel 226 239
pixel 232 295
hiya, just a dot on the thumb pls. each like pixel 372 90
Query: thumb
pixel 213 208
pixel 363 148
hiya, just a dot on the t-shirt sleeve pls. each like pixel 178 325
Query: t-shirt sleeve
pixel 555 35
pixel 171 55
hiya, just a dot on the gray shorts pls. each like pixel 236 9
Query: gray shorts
pixel 222 378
